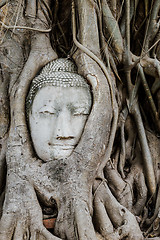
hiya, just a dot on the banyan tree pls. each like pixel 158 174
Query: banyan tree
pixel 79 119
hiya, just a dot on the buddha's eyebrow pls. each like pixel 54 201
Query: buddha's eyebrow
pixel 79 108
pixel 78 105
pixel 47 100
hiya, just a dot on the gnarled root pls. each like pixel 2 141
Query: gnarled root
pixel 120 223
pixel 22 215
pixel 74 220
pixel 131 192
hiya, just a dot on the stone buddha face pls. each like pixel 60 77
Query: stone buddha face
pixel 57 118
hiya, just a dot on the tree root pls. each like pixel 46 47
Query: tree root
pixel 111 27
pixel 131 188
pixel 123 221
pixel 3 2
pixel 22 215
pixel 26 28
pixel 74 219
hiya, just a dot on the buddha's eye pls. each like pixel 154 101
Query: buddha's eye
pixel 47 113
pixel 80 112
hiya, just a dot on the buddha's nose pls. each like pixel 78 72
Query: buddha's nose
pixel 63 130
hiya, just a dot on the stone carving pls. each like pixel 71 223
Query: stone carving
pixel 58 104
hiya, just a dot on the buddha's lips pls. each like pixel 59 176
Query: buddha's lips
pixel 64 147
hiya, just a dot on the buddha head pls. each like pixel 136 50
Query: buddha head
pixel 57 106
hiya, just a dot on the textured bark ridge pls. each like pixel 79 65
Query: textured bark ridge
pixel 108 188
